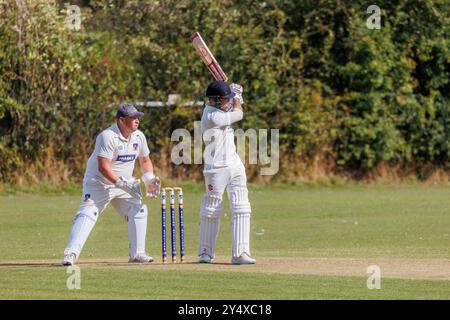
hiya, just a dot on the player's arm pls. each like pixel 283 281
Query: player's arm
pixel 146 164
pixel 220 119
pixel 237 105
pixel 152 182
pixel 104 166
pixel 130 186
pixel 105 153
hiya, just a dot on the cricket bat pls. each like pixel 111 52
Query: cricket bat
pixel 207 57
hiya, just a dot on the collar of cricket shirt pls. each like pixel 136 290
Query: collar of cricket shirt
pixel 116 129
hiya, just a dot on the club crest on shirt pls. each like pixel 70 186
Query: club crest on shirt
pixel 87 196
pixel 135 146
pixel 210 187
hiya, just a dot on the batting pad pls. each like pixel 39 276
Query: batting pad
pixel 239 200
pixel 137 228
pixel 209 229
pixel 240 233
pixel 81 228
pixel 212 206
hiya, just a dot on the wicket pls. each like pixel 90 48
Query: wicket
pixel 172 191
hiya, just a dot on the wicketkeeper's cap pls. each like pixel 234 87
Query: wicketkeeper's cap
pixel 128 110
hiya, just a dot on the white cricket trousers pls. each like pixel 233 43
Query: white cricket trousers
pixel 96 196
pixel 234 180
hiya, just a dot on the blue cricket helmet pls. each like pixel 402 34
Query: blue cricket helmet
pixel 219 89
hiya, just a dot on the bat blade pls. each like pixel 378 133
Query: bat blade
pixel 207 57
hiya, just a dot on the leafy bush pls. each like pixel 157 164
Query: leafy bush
pixel 346 99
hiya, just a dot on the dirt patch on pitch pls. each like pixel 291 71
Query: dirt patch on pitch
pixel 430 269
pixel 389 268
pixel 435 269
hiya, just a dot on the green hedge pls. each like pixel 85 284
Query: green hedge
pixel 346 98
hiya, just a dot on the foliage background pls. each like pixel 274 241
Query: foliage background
pixel 350 102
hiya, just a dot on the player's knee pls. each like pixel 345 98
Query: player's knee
pixel 138 211
pixel 90 212
pixel 212 205
pixel 239 201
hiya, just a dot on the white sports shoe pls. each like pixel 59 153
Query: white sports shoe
pixel 69 259
pixel 243 259
pixel 205 258
pixel 140 258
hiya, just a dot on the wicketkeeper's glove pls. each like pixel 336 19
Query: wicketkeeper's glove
pixel 131 186
pixel 152 184
pixel 237 89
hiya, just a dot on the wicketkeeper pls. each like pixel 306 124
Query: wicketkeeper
pixel 108 178
pixel 223 169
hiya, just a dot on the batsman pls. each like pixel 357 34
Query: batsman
pixel 108 179
pixel 223 169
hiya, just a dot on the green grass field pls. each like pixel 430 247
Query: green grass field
pixel 310 243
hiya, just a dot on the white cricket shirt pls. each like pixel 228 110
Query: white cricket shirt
pixel 218 135
pixel 111 144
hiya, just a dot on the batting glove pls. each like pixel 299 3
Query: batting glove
pixel 237 89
